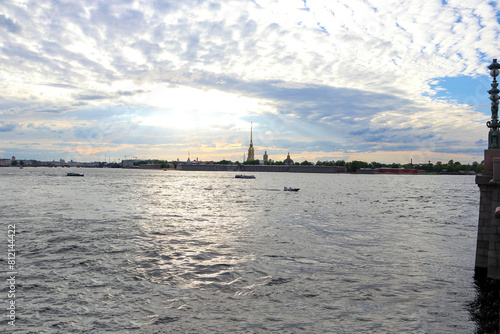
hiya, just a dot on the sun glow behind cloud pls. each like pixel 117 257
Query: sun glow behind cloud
pixel 200 108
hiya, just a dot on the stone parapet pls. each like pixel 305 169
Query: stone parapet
pixel 489 155
pixel 264 168
pixel 488 236
pixel 482 179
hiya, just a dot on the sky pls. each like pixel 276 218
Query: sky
pixel 371 80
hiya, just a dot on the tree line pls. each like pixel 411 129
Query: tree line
pixel 352 166
pixel 450 167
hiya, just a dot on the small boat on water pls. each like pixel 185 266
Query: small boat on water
pixel 74 174
pixel 241 176
pixel 291 189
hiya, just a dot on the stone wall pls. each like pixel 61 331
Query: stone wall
pixel 264 168
pixel 208 168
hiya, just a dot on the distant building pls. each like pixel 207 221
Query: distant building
pixel 5 162
pixel 288 160
pixel 396 171
pixel 365 171
pixel 129 163
pixel 149 166
pixel 341 169
pixel 266 158
pixel 251 155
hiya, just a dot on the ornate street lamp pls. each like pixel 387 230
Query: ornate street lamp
pixel 494 124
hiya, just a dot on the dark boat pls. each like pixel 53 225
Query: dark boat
pixel 241 176
pixel 74 174
pixel 291 189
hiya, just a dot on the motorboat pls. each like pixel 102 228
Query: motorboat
pixel 291 189
pixel 74 174
pixel 241 176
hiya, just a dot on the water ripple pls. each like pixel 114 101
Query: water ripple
pixel 191 252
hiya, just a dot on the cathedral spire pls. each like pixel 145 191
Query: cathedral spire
pixel 251 132
pixel 250 156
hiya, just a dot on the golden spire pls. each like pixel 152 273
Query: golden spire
pixel 251 128
pixel 250 156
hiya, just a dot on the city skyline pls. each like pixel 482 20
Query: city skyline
pixel 323 80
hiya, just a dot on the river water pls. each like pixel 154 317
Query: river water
pixel 136 251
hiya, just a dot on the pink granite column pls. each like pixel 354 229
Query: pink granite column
pixel 486 216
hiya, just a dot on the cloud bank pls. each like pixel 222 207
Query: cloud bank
pixel 321 79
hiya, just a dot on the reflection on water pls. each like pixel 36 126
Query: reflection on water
pixel 484 310
pixel 194 252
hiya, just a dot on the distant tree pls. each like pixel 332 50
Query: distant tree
pixel 224 162
pixel 353 166
pixel 325 163
pixel 340 163
pixel 450 167
pixel 306 163
pixel 252 162
pixel 14 163
pixel 21 162
pixel 480 167
pixel 438 168
pixel 476 167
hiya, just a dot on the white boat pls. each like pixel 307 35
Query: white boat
pixel 291 189
pixel 241 176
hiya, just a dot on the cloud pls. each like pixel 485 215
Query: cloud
pixel 318 76
pixel 8 24
pixel 91 97
pixel 61 85
pixel 7 127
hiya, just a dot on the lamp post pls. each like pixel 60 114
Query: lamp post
pixel 494 124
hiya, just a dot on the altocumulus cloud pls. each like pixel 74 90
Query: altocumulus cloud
pixel 321 79
pixel 7 127
pixel 8 24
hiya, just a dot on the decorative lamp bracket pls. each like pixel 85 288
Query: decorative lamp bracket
pixel 494 124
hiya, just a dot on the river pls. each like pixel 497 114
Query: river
pixel 136 251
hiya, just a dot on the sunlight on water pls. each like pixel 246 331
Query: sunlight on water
pixel 194 252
